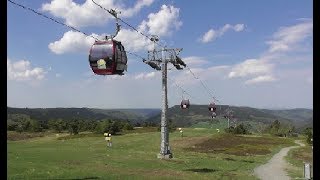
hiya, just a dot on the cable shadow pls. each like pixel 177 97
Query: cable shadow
pixel 202 170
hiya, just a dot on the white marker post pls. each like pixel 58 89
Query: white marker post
pixel 307 171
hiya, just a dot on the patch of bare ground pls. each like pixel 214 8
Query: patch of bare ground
pixel 232 144
pixel 303 154
pixel 16 136
pixel 186 142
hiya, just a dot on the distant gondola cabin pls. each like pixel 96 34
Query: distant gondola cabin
pixel 213 115
pixel 185 104
pixel 212 107
pixel 108 57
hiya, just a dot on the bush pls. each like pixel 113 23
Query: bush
pixel 309 135
pixel 74 127
pixel 240 129
pixel 127 126
pixel 108 126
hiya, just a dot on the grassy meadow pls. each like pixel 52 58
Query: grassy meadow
pixel 202 153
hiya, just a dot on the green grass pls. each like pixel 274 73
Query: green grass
pixel 132 156
pixel 216 124
pixel 296 158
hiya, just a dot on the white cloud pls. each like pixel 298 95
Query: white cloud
pixel 145 76
pixel 209 36
pixel 162 23
pixel 58 75
pixel 218 68
pixel 22 71
pixel 304 19
pixel 88 13
pixel 116 77
pixel 260 79
pixel 147 93
pixel 139 76
pixel 75 42
pixel 137 7
pixel 238 27
pixel 133 41
pixel 20 65
pixel 150 75
pixel 251 67
pixel 212 34
pixel 211 73
pixel 287 38
pixel 284 42
pixel 185 77
pixel 72 42
pixel 195 61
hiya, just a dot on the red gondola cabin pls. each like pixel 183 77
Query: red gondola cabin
pixel 108 57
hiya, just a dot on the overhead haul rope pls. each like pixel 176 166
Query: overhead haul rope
pixel 63 24
pixel 77 30
pixel 202 83
pixel 132 27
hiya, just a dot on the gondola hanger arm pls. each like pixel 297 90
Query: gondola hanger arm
pixel 114 13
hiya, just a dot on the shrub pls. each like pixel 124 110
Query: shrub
pixel 240 129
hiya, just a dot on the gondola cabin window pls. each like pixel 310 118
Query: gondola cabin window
pixel 101 64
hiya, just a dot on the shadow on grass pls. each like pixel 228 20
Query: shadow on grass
pixel 231 159
pixel 76 178
pixel 202 170
pixel 75 136
pixel 248 161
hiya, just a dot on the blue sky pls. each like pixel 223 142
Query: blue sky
pixel 247 53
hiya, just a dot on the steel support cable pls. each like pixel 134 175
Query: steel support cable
pixel 183 90
pixel 203 84
pixel 121 20
pixel 132 27
pixel 50 18
pixel 63 24
pixel 135 55
pixel 73 28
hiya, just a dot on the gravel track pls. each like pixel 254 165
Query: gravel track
pixel 275 168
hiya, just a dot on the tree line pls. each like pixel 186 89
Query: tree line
pixel 23 123
pixel 275 129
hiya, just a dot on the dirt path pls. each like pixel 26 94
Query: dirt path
pixel 274 169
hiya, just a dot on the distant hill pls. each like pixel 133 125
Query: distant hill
pixel 199 113
pixel 300 118
pixel 133 115
pixel 297 115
